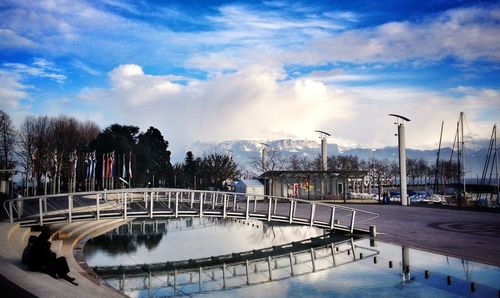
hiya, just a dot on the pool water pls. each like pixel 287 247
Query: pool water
pixel 348 268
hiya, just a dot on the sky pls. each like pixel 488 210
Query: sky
pixel 256 70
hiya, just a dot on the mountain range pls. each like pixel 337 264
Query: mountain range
pixel 244 151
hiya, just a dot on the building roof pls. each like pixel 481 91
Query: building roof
pixel 251 182
pixel 314 174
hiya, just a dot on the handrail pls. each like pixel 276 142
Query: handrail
pixel 125 200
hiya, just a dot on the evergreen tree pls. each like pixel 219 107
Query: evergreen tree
pixel 153 164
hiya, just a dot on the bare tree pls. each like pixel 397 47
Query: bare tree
pixel 7 141
pixel 274 162
pixel 27 147
pixel 340 162
pixel 295 163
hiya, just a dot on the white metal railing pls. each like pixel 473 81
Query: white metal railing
pixel 169 202
pixel 190 277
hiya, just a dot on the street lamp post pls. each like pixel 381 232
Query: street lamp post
pixel 324 159
pixel 264 156
pixel 400 122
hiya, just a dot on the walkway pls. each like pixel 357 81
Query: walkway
pixel 473 235
pixel 463 234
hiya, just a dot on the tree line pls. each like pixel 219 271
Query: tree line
pixel 61 154
pixel 418 169
pixel 52 154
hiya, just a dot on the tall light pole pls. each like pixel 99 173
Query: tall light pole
pixel 324 159
pixel 400 122
pixel 263 156
pixel 324 154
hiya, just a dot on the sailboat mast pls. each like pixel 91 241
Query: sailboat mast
pixel 496 165
pixel 463 152
pixel 437 160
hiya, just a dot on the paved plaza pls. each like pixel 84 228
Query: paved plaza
pixel 467 234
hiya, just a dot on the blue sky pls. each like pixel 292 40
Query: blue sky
pixel 223 70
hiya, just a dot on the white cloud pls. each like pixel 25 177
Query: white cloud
pixel 39 68
pixel 12 91
pixel 255 103
pixel 11 40
pixel 465 33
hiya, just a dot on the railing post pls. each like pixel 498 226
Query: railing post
pixel 192 200
pixel 275 205
pixel 332 246
pixel 98 207
pixel 247 273
pixel 269 209
pixel 201 204
pixel 269 267
pixel 200 277
pixel 352 220
pixel 332 219
pixel 353 250
pixel 291 211
pixel 247 212
pixel 313 259
pixel 213 195
pixel 125 207
pixel 254 203
pixel 313 210
pixel 234 202
pixel 70 209
pixel 40 209
pixel 176 204
pixel 11 214
pixel 169 198
pixel 151 205
pixel 224 205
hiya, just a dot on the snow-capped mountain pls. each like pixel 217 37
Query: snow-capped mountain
pixel 244 151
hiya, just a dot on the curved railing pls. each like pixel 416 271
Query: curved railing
pixel 190 277
pixel 174 203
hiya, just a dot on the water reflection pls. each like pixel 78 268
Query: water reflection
pixel 235 270
pixel 395 271
pixel 156 240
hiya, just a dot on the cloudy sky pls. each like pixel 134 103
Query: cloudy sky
pixel 264 70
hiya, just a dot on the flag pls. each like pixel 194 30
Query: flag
pixel 124 170
pixel 103 166
pixel 108 166
pixel 112 164
pixel 87 165
pixel 130 165
pixel 75 163
pixel 93 165
pixel 54 164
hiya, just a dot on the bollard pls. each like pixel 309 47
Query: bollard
pixel 373 231
pixel 426 274
pixel 374 260
pixel 360 255
pixel 390 264
pixel 472 286
pixel 448 280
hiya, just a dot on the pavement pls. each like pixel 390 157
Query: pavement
pixel 463 234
